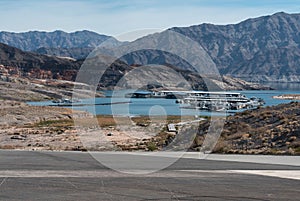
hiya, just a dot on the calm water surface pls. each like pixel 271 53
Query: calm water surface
pixel 133 106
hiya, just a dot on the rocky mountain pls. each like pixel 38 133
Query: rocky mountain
pixel 75 52
pixel 77 44
pixel 28 64
pixel 260 49
pixel 264 49
pixel 167 65
pixel 267 130
pixel 17 63
pixel 122 76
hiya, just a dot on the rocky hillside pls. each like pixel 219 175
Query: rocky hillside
pixel 17 63
pixel 10 56
pixel 75 52
pixel 265 48
pixel 269 130
pixel 260 49
pixel 172 78
pixel 32 40
pixel 34 65
pixel 77 44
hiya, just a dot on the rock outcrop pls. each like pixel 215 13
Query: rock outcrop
pixel 269 130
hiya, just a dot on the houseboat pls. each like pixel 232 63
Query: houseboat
pixel 204 100
pixel 219 101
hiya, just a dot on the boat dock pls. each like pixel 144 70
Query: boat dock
pixel 204 100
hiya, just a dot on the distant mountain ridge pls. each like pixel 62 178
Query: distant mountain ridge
pixel 17 63
pixel 262 49
pixel 77 44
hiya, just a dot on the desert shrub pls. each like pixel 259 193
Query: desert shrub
pixel 151 146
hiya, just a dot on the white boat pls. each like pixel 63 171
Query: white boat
pixel 219 101
pixel 204 100
pixel 65 101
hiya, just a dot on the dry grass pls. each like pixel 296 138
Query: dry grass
pixel 109 120
pixel 55 123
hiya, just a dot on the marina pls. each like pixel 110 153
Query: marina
pixel 220 101
pixel 204 100
pixel 159 106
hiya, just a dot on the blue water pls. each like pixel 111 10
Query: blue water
pixel 134 107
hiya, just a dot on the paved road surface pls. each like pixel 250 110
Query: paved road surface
pixel 77 176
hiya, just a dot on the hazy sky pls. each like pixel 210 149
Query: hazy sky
pixel 116 17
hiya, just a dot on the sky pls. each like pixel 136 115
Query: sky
pixel 118 17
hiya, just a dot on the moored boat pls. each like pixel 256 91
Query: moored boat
pixel 220 101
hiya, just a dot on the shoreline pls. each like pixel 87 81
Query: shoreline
pixel 287 97
pixel 33 128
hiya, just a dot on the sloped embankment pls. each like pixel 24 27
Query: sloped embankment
pixel 270 130
pixel 29 127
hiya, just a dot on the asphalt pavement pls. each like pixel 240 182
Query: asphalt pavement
pixel 35 175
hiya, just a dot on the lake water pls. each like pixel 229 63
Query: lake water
pixel 155 106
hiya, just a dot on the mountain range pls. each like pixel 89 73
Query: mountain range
pixel 260 49
pixel 77 44
pixel 264 49
pixel 17 63
pixel 33 65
